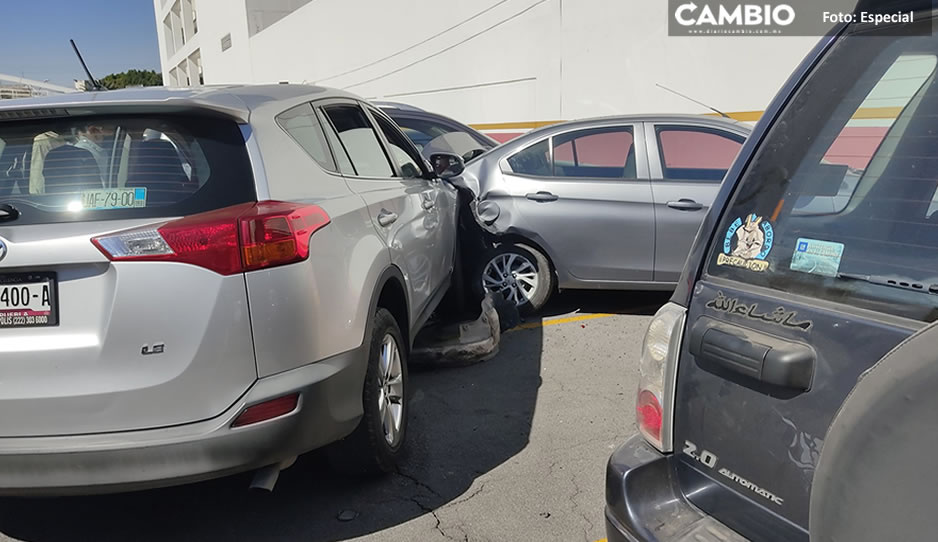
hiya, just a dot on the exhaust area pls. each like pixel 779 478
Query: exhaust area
pixel 265 478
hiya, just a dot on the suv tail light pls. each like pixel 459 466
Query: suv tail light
pixel 231 240
pixel 657 371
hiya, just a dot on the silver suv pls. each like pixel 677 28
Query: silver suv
pixel 199 282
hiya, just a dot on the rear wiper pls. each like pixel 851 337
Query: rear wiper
pixel 8 212
pixel 895 282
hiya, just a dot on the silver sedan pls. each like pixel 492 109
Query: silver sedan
pixel 607 203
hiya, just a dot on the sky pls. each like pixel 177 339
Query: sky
pixel 113 36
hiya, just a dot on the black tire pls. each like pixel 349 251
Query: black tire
pixel 367 450
pixel 545 275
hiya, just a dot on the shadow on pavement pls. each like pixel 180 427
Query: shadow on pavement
pixel 465 422
pixel 605 301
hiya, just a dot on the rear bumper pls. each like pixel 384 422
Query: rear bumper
pixel 644 502
pixel 329 409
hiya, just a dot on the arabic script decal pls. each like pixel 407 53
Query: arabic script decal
pixel 778 317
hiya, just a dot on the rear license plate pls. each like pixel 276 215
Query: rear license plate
pixel 28 300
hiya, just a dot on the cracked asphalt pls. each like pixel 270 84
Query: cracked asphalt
pixel 510 449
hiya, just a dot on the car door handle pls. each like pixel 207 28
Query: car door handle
pixel 386 218
pixel 719 347
pixel 685 205
pixel 541 196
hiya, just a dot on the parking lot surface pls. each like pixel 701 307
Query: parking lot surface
pixel 510 449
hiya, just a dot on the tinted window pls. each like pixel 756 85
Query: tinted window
pixel 534 160
pixel 303 126
pixel 359 140
pixel 696 154
pixel 338 149
pixel 118 167
pixel 400 148
pixel 422 131
pixel 598 152
pixel 879 250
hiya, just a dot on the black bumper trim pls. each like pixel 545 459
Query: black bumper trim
pixel 644 501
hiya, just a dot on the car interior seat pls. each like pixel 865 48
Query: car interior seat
pixel 70 169
pixel 157 166
pixel 630 171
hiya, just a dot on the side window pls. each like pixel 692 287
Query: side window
pixel 420 131
pixel 399 147
pixel 303 126
pixel 696 154
pixel 595 153
pixel 338 149
pixel 533 160
pixel 874 245
pixel 359 140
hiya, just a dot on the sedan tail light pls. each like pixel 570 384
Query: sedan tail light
pixel 657 372
pixel 232 240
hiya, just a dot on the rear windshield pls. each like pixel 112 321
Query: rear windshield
pixel 841 199
pixel 117 167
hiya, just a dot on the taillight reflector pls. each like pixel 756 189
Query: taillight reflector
pixel 232 240
pixel 278 233
pixel 267 410
pixel 649 415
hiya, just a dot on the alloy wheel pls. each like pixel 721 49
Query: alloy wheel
pixel 390 390
pixel 512 275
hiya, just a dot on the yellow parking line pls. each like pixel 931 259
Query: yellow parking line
pixel 555 321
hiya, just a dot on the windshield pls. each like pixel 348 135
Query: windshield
pixel 443 137
pixel 846 186
pixel 97 168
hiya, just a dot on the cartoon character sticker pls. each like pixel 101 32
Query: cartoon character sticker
pixel 747 244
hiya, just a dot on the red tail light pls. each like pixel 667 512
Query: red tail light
pixel 267 410
pixel 231 240
pixel 649 415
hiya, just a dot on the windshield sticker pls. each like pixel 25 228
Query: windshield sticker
pixel 113 198
pixel 817 257
pixel 746 244
pixel 778 317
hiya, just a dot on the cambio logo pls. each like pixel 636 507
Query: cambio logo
pixel 741 15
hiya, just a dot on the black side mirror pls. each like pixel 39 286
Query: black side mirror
pixel 447 165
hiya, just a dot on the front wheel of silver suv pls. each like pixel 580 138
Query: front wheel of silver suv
pixel 377 444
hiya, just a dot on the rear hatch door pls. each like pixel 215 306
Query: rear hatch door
pixel 88 345
pixel 797 300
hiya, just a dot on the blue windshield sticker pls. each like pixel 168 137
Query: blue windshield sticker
pixel 114 198
pixel 817 257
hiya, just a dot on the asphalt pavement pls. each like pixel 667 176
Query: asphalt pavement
pixel 510 449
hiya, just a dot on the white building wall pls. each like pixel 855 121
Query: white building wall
pixel 493 61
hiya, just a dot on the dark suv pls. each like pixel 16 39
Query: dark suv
pixel 788 390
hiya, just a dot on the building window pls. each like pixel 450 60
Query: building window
pixel 169 36
pixel 195 68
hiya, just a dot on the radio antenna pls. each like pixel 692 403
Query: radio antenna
pixel 94 82
pixel 698 102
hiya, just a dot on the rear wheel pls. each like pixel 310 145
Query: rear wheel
pixel 521 274
pixel 377 443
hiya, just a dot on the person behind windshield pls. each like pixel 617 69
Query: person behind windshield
pixel 90 138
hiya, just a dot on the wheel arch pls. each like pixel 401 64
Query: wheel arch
pixel 561 276
pixel 391 293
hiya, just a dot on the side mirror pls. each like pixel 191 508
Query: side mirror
pixel 447 165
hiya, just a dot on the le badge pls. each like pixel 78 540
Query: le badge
pixel 747 244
